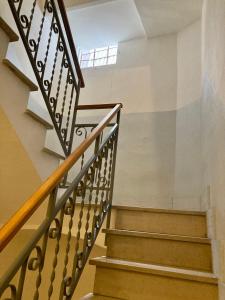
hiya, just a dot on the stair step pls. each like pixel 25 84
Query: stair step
pixel 54 153
pixel 184 223
pixel 91 296
pixel 161 249
pixel 52 144
pixel 38 112
pixel 132 280
pixel 13 37
pixel 32 86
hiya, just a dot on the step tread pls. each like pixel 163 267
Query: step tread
pixel 13 37
pixel 154 235
pixel 155 269
pixel 92 296
pixel 159 210
pixel 33 87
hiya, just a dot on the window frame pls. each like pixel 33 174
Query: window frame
pixel 91 63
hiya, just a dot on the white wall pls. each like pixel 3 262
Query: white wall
pixel 187 189
pixel 145 80
pixel 213 125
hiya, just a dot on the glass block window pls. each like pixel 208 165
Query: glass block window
pixel 98 57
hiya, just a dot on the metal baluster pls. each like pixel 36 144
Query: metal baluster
pixel 19 6
pixel 111 146
pixel 53 67
pixel 31 18
pixel 13 292
pixel 50 210
pixel 46 54
pixel 57 115
pixel 88 236
pixel 96 223
pixel 70 143
pixel 70 210
pixel 55 233
pixel 21 280
pixel 78 256
pixel 41 30
pixel 101 208
pixel 79 132
pixel 70 106
pixel 115 136
pixel 65 94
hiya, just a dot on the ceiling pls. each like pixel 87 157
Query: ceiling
pixel 161 17
pixel 106 23
pixel 98 23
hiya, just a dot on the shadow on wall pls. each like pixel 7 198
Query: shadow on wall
pixel 145 164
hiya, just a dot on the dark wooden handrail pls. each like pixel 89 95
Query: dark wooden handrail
pixel 71 41
pixel 97 106
pixel 9 230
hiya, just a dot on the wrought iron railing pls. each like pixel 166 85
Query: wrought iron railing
pixel 48 41
pixel 79 214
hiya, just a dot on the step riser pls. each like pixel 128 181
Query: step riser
pixel 133 286
pixel 179 254
pixel 177 224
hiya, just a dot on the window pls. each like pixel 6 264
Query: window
pixel 98 57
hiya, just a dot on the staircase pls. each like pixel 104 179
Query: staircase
pixel 151 253
pixel 156 254
pixel 16 89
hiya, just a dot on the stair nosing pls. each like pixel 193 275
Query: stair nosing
pixel 39 119
pixel 90 295
pixel 183 274
pixel 160 210
pixel 51 152
pixel 32 86
pixel 13 36
pixel 155 235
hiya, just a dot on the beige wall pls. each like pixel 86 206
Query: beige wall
pixel 187 188
pixel 16 171
pixel 213 125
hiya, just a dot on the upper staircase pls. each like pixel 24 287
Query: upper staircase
pixel 155 254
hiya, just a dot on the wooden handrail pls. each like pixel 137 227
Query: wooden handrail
pixel 97 106
pixel 8 231
pixel 71 41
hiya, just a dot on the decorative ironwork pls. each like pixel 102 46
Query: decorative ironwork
pixel 59 81
pixel 71 226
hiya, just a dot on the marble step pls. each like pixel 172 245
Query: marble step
pixel 131 280
pixel 161 249
pixel 185 223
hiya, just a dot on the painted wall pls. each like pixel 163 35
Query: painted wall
pixel 145 80
pixel 213 126
pixel 14 162
pixel 187 189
